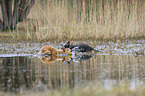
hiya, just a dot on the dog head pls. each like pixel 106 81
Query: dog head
pixel 66 45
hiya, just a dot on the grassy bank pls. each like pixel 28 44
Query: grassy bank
pixel 96 91
pixel 84 20
pixel 122 90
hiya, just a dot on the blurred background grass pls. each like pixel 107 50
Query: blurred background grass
pixel 57 20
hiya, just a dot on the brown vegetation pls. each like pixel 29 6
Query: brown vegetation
pixel 85 20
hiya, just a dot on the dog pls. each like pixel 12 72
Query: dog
pixel 79 48
pixel 49 50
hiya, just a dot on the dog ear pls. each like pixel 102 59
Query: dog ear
pixel 68 42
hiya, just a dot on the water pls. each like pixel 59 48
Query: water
pixel 21 69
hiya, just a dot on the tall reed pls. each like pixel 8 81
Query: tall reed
pixel 87 20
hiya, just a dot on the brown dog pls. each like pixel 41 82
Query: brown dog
pixel 48 50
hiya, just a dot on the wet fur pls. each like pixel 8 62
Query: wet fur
pixel 80 47
pixel 49 50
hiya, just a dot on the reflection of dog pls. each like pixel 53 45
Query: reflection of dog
pixel 48 50
pixel 68 59
pixel 52 59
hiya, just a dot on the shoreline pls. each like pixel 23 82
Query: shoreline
pixel 8 38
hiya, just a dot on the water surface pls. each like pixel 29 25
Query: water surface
pixel 21 69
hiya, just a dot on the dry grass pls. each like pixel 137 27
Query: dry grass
pixel 85 19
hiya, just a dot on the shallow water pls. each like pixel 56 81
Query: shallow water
pixel 21 69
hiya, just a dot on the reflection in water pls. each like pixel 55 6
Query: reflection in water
pixel 14 73
pixel 76 58
pixel 17 73
pixel 52 59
